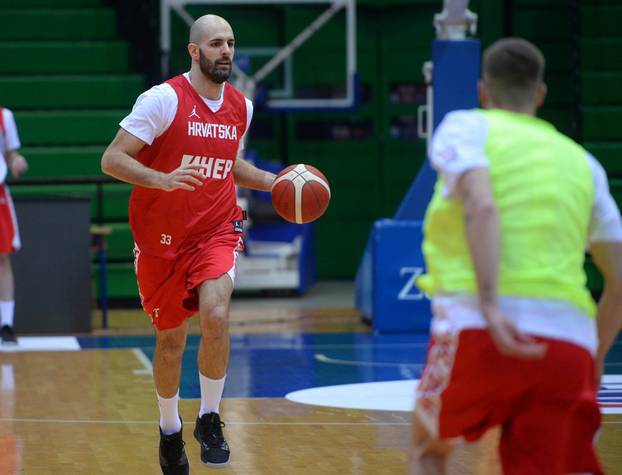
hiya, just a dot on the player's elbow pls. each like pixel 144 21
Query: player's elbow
pixel 107 162
pixel 608 259
pixel 482 211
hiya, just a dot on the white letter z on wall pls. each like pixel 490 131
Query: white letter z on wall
pixel 407 292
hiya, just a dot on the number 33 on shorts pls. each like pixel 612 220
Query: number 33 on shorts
pixel 165 239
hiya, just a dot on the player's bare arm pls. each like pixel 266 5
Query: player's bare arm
pixel 608 259
pixel 119 161
pixel 481 219
pixel 16 162
pixel 248 175
pixel 482 227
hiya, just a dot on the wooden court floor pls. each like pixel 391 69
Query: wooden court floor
pixel 94 412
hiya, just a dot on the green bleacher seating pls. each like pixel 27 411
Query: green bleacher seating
pixel 114 204
pixel 121 281
pixel 75 92
pixel 69 79
pixel 68 128
pixel 69 101
pixel 601 54
pixel 58 23
pixel 608 154
pixel 64 57
pixel 120 243
pixel 76 161
pixel 601 64
pixel 601 76
pixel 47 4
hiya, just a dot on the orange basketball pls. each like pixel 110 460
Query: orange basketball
pixel 300 193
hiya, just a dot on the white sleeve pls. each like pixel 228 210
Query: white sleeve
pixel 4 170
pixel 605 222
pixel 458 146
pixel 12 137
pixel 152 113
pixel 249 118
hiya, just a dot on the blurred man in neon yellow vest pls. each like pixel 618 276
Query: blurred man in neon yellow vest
pixel 517 340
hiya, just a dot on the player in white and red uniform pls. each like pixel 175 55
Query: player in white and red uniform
pixel 527 363
pixel 205 134
pixel 10 242
pixel 181 147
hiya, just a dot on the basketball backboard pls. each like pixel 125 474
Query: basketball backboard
pixel 271 59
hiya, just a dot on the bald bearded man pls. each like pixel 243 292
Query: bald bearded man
pixel 181 148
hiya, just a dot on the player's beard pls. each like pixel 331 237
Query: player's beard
pixel 212 71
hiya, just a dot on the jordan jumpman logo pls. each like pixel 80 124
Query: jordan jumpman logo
pixel 194 113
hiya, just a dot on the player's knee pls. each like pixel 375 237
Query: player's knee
pixel 170 349
pixel 171 354
pixel 426 443
pixel 4 261
pixel 214 321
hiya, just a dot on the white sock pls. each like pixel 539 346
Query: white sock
pixel 211 394
pixel 7 307
pixel 170 423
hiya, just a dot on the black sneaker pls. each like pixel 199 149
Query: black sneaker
pixel 173 460
pixel 8 335
pixel 214 447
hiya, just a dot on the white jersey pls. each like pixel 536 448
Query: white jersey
pixel 9 140
pixel 465 133
pixel 155 110
pixel 458 145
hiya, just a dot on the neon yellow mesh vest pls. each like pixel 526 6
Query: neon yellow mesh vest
pixel 544 190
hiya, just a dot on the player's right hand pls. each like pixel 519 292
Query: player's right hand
pixel 186 177
pixel 508 339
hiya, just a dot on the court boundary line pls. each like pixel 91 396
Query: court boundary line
pixel 144 361
pixel 281 346
pixel 322 358
pixel 229 423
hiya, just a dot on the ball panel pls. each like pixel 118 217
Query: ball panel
pixel 317 176
pixel 315 171
pixel 283 200
pixel 314 201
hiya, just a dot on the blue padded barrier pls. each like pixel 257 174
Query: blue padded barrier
pixel 385 292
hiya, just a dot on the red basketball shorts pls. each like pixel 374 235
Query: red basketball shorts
pixel 9 232
pixel 168 287
pixel 546 408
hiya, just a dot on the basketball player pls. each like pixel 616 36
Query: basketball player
pixel 10 242
pixel 180 148
pixel 514 340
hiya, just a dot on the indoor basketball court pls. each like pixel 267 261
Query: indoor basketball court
pixel 329 331
pixel 309 391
